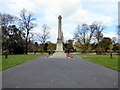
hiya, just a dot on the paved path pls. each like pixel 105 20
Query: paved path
pixel 59 73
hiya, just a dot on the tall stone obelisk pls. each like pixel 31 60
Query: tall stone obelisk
pixel 59 53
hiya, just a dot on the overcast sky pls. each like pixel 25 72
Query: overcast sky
pixel 73 12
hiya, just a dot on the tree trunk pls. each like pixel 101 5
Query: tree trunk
pixel 26 46
pixel 98 52
pixel 26 49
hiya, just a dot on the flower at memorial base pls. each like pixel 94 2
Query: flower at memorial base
pixel 70 57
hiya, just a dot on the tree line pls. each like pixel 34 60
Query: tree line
pixel 17 37
pixel 90 38
pixel 16 34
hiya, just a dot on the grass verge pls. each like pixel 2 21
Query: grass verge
pixel 103 60
pixel 14 60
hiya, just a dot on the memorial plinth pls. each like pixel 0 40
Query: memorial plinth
pixel 59 53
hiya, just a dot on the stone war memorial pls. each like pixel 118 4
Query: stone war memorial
pixel 82 55
pixel 59 53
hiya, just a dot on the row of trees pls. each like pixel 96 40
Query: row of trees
pixel 91 39
pixel 17 37
pixel 16 33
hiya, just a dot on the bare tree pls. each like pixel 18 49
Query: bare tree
pixel 27 23
pixel 44 35
pixel 84 35
pixel 98 35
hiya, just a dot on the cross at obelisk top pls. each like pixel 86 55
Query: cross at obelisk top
pixel 59 17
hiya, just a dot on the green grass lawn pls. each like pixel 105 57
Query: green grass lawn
pixel 103 60
pixel 14 60
pixel 0 62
